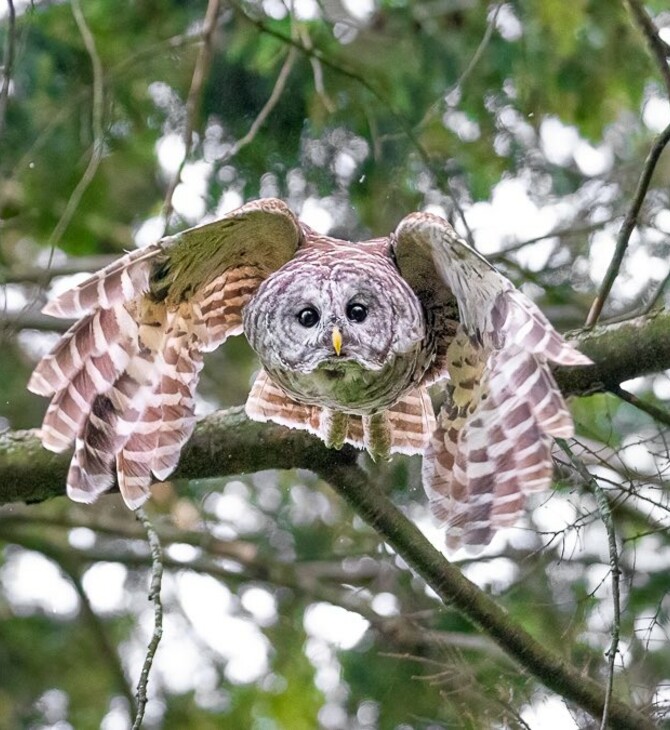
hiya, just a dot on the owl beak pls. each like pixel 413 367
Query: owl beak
pixel 337 340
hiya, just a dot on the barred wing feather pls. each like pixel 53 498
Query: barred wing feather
pixel 491 445
pixel 122 379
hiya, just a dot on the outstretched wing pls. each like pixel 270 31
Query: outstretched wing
pixel 491 446
pixel 122 379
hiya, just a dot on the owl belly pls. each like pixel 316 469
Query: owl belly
pixel 346 386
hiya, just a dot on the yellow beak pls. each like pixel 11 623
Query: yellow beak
pixel 337 340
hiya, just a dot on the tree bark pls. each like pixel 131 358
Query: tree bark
pixel 227 443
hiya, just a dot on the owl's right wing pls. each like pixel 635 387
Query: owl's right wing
pixel 122 379
pixel 491 445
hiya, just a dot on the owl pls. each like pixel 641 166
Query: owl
pixel 349 337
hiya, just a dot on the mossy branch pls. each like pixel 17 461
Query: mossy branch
pixel 228 443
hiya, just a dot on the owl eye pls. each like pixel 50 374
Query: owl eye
pixel 308 317
pixel 356 312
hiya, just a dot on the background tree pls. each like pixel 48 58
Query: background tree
pixel 539 129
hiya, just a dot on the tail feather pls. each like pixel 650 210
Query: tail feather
pixel 410 421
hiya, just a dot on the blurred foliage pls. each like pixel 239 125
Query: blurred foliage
pixel 418 103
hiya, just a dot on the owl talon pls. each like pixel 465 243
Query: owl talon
pixel 333 427
pixel 377 436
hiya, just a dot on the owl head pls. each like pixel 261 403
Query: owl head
pixel 331 310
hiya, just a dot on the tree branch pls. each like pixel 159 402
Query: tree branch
pixel 228 443
pixel 657 47
pixel 7 63
pixel 193 100
pixel 621 351
pixel 630 221
pixel 455 589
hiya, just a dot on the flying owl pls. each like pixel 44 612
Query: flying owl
pixel 349 336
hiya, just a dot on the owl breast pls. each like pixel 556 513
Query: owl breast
pixel 339 327
pixel 346 385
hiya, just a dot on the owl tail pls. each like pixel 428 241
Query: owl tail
pixel 492 444
pixel 121 382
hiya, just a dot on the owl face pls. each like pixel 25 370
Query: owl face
pixel 333 314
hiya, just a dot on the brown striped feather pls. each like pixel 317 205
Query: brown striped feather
pixel 121 281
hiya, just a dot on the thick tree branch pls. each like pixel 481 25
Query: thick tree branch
pixel 621 351
pixel 455 589
pixel 228 443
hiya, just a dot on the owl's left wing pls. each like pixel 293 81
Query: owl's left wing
pixel 491 446
pixel 122 379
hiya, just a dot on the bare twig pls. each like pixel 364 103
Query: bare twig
pixel 467 71
pixel 314 52
pixel 317 71
pixel 566 232
pixel 96 124
pixel 606 516
pixel 155 596
pixel 628 225
pixel 659 51
pixel 148 52
pixel 658 48
pixel 193 100
pixel 656 296
pixel 658 414
pixel 7 62
pixel 270 104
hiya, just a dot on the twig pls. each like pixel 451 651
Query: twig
pixel 606 516
pixel 629 224
pixel 155 50
pixel 7 63
pixel 658 414
pixel 476 57
pixel 314 52
pixel 97 127
pixel 456 590
pixel 277 91
pixel 193 100
pixel 317 71
pixel 155 596
pixel 556 233
pixel 655 297
pixel 659 50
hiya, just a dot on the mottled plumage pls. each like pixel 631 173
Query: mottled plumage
pixel 349 336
